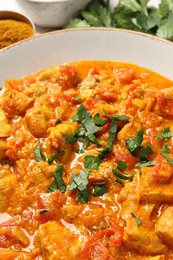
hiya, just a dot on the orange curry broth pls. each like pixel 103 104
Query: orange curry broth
pixel 87 202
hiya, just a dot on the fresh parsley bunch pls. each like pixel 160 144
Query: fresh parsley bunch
pixel 137 15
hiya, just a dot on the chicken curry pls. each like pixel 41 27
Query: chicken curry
pixel 86 164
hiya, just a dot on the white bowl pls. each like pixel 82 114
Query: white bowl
pixel 86 44
pixel 52 13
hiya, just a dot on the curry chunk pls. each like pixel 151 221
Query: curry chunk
pixel 14 102
pixel 164 226
pixel 36 118
pixel 8 184
pixel 57 242
pixel 143 240
pixel 58 133
pixel 5 129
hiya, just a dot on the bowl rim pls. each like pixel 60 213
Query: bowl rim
pixel 7 14
pixel 153 37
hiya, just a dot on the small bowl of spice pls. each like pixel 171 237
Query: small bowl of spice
pixel 14 27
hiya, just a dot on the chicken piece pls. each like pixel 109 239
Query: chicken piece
pixel 5 129
pixel 58 133
pixel 36 119
pixel 165 101
pixel 14 102
pixel 152 190
pixel 142 239
pixel 10 254
pixel 8 184
pixel 57 242
pixel 164 225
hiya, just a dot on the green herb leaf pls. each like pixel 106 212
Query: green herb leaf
pixel 165 135
pixel 79 181
pixel 118 117
pixel 57 121
pixel 58 183
pixel 55 156
pixel 112 132
pixel 70 139
pixel 38 154
pixel 122 165
pixel 138 221
pixel 122 176
pixel 99 121
pixel 165 149
pixel 83 196
pixel 100 189
pixel 134 144
pixel 92 162
pixel 146 164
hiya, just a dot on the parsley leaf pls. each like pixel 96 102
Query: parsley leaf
pixel 165 135
pixel 38 154
pixel 122 165
pixel 55 156
pixel 99 121
pixel 58 183
pixel 134 144
pixel 80 183
pixel 138 221
pixel 146 163
pixel 92 162
pixel 122 176
pixel 100 189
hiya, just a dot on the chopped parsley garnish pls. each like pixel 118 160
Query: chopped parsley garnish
pixel 92 162
pixel 88 127
pixel 138 221
pixel 118 117
pixel 57 121
pixel 100 189
pixel 146 163
pixel 38 154
pixel 165 135
pixel 55 156
pixel 58 182
pixel 134 144
pixel 80 182
pixel 70 139
pixel 122 176
pixel 165 149
pixel 112 132
pixel 122 165
pixel 99 121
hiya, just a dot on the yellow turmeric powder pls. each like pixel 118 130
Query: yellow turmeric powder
pixel 12 31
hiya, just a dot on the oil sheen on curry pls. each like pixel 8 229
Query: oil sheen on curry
pixel 86 164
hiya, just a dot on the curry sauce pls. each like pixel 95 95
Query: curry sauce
pixel 86 164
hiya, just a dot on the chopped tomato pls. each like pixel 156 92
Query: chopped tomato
pixel 67 76
pixel 124 76
pixel 11 154
pixel 128 158
pixel 104 129
pixel 89 103
pixel 95 248
pixel 162 168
